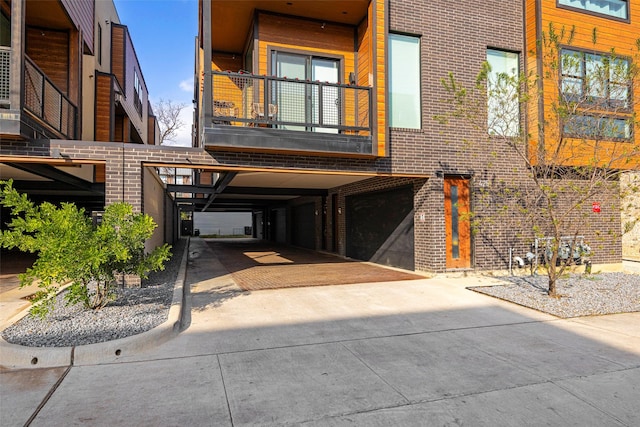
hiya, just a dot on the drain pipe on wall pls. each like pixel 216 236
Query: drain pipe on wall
pixel 511 261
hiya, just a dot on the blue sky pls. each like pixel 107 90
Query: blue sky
pixel 163 33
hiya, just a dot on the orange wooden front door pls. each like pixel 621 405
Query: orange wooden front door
pixel 458 228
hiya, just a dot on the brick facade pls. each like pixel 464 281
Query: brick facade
pixel 454 37
pixel 123 161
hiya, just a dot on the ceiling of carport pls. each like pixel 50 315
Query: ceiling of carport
pixel 256 189
pixel 293 180
pixel 56 182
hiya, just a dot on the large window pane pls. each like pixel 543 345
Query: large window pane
pixel 615 8
pixel 595 75
pixel 5 30
pixel 602 78
pixel 503 104
pixel 600 128
pixel 619 80
pixel 404 82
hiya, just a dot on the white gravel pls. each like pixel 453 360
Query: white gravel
pixel 134 311
pixel 581 295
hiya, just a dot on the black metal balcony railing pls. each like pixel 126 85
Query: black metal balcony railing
pixel 47 102
pixel 242 99
pixel 5 56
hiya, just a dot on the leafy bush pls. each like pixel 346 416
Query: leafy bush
pixel 71 249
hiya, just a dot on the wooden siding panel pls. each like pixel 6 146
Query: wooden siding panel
pixel 226 62
pixel 305 35
pixel 124 65
pixel 50 51
pixel 132 66
pixel 81 13
pixel 100 173
pixel 364 52
pixel 117 53
pixel 610 34
pixel 365 67
pixel 381 79
pixel 104 107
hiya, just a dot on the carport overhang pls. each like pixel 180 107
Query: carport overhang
pixel 57 179
pixel 246 189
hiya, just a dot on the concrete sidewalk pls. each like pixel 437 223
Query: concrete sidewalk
pixel 423 352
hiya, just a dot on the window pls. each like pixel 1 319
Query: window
pixel 599 128
pixel 614 8
pixel 595 79
pixel 404 82
pixel 503 101
pixel 99 44
pixel 137 92
pixel 5 30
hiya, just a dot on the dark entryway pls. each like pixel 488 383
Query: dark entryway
pixel 380 227
pixel 303 230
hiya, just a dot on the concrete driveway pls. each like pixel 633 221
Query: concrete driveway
pixel 419 352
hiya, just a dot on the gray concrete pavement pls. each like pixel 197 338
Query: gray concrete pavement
pixel 425 352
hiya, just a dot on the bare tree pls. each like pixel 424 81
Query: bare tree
pixel 168 115
pixel 582 106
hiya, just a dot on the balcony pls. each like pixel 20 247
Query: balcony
pixel 273 113
pixel 5 60
pixel 46 102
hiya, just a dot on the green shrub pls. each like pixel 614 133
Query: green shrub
pixel 71 249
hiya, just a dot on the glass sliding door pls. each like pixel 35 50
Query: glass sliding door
pixel 325 70
pixel 313 106
pixel 290 97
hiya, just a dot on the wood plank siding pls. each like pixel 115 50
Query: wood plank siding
pixel 81 13
pixel 125 67
pixel 364 65
pixel 610 34
pixel 117 53
pixel 104 109
pixel 275 31
pixel 49 49
pixel 380 53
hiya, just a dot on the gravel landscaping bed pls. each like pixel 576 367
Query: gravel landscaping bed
pixel 135 310
pixel 581 295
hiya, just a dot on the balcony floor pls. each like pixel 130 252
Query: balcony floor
pixel 245 138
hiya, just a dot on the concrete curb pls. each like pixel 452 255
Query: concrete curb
pixel 15 356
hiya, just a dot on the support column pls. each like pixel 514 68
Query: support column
pixel 123 176
pixel 123 183
pixel 17 53
pixel 207 88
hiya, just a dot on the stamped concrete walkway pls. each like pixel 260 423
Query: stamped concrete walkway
pixel 420 352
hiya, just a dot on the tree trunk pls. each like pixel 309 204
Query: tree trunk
pixel 552 287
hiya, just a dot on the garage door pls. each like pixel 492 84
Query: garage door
pixel 380 227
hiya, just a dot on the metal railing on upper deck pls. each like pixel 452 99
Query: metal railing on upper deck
pixel 5 69
pixel 47 102
pixel 244 99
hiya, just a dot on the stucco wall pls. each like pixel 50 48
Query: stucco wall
pixel 154 206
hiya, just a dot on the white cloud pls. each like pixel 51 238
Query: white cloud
pixel 187 85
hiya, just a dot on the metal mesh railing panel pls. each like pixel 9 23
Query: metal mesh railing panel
pixel 247 100
pixel 47 102
pixel 5 67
